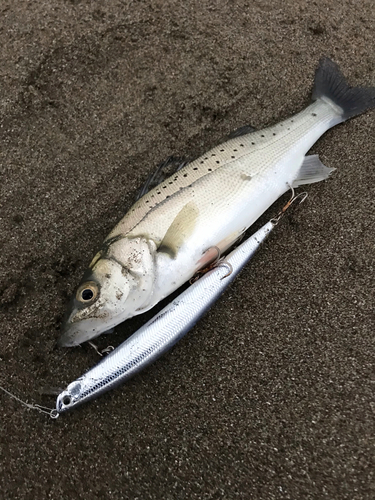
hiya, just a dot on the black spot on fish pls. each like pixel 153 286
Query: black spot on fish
pixel 313 114
pixel 262 135
pixel 253 143
pixel 195 168
pixel 210 169
pixel 217 161
pixel 185 175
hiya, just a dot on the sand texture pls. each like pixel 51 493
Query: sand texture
pixel 271 395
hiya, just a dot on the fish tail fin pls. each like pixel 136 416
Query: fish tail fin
pixel 330 84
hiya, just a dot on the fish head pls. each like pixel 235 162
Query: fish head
pixel 117 286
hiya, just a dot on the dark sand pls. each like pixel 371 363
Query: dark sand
pixel 271 396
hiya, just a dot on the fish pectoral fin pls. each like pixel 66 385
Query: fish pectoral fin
pixel 312 170
pixel 179 231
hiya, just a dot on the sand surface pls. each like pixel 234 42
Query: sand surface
pixel 271 395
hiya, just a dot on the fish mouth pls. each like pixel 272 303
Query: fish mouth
pixel 68 339
pixel 72 336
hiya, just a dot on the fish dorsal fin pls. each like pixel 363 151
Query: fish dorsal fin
pixel 174 163
pixel 312 170
pixel 166 168
pixel 244 130
pixel 179 231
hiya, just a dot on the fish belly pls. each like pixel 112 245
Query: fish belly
pixel 227 206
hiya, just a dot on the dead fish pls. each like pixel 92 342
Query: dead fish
pixel 178 227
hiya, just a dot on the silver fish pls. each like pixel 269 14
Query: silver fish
pixel 175 229
pixel 159 334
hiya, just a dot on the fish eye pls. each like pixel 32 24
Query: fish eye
pixel 87 292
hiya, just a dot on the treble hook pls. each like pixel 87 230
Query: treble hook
pixel 102 352
pixel 300 196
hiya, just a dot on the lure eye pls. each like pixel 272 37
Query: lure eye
pixel 67 400
pixel 87 292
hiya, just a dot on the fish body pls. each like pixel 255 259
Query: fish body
pixel 163 331
pixel 171 231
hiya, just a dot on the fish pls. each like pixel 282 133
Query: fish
pixel 179 226
pixel 167 327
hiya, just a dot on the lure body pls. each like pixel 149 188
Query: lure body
pixel 159 334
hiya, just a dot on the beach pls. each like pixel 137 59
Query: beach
pixel 271 395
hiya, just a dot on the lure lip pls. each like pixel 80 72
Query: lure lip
pixel 69 398
pixel 62 402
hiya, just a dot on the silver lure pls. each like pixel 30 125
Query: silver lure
pixel 159 334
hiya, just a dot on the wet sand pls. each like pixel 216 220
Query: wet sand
pixel 271 395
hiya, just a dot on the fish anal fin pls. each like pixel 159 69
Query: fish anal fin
pixel 179 231
pixel 312 170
